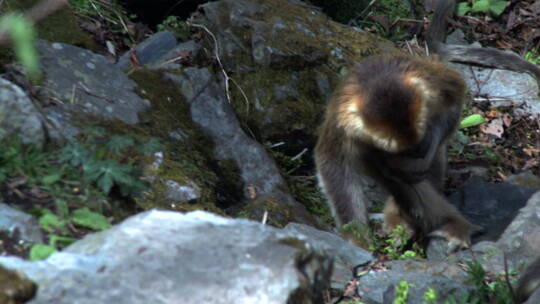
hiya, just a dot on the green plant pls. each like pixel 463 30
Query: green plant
pixel 533 57
pixel 487 290
pixel 99 162
pixel 402 292
pixel 83 171
pixel 395 245
pixel 22 34
pixel 173 22
pixel 430 296
pixel 41 252
pixel 303 189
pixel 494 7
pixel 58 232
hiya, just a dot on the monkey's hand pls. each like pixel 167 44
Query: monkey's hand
pixel 457 231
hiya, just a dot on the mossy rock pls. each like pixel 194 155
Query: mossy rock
pixel 187 159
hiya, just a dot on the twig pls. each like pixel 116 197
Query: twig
pixel 216 51
pixel 281 143
pixel 366 9
pixel 265 217
pixel 241 92
pixel 408 47
pixel 299 154
pixel 507 277
pixel 218 59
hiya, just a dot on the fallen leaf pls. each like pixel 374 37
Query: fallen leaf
pixel 507 119
pixel 494 127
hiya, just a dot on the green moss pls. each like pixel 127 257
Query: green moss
pixel 291 38
pixel 185 160
pixel 278 213
pixel 309 195
pixel 305 191
pixel 312 48
pixel 265 116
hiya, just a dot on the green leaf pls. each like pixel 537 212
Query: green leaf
pixel 51 178
pixel 23 35
pixel 50 222
pixel 89 219
pixel 64 240
pixel 151 146
pixel 62 207
pixel 497 7
pixel 463 8
pixel 471 121
pixel 108 172
pixel 480 6
pixel 118 143
pixel 41 252
pixel 75 154
pixel 94 132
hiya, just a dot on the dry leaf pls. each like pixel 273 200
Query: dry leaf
pixel 494 127
pixel 507 119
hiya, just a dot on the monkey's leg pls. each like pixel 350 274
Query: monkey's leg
pixel 429 212
pixel 393 217
pixel 446 221
pixel 343 187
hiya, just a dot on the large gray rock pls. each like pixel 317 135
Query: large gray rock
pixel 346 256
pixel 518 245
pixel 447 279
pixel 523 234
pixel 492 206
pixel 20 225
pixel 502 87
pixel 87 82
pixel 18 115
pixel 169 257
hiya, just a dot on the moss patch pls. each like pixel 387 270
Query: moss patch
pixel 186 158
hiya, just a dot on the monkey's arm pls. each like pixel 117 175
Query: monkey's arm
pixel 343 186
pixel 414 166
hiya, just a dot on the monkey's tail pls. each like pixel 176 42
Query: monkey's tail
pixel 436 33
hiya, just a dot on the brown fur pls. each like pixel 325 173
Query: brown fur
pixel 390 121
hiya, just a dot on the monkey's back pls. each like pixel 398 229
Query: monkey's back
pixel 385 99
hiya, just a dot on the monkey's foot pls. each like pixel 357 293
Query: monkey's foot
pixel 393 217
pixel 454 243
